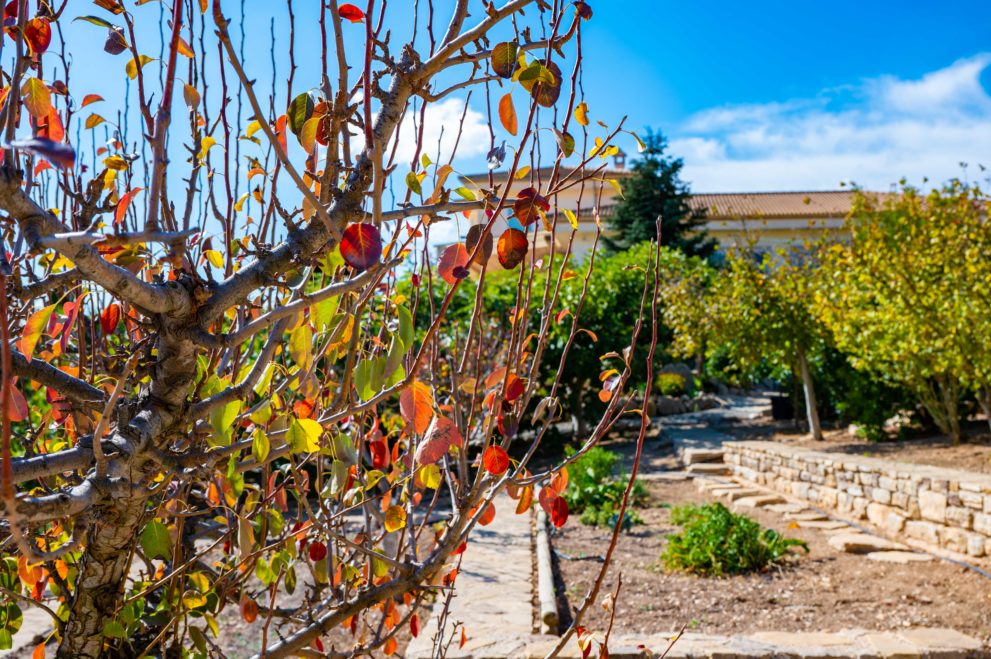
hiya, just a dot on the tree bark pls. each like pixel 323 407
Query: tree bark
pixel 811 404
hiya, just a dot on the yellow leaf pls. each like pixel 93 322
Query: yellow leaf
pixel 135 64
pixel 215 258
pixel 184 49
pixel 193 600
pixel 616 186
pixel 395 518
pixel 581 113
pixel 115 163
pixel 37 99
pixel 572 218
pixel 94 120
pixel 253 128
pixel 430 476
pixel 522 172
pixel 239 204
pixel 208 143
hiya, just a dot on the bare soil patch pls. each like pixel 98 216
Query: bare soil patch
pixel 821 591
pixel 972 454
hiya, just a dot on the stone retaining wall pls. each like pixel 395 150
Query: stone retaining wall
pixel 939 507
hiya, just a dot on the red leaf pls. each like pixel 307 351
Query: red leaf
pixel 318 551
pixel 124 202
pixel 90 98
pixel 351 13
pixel 475 233
pixel 453 263
pixel 546 498
pixel 380 453
pixel 42 166
pixel 51 126
pixel 512 248
pixel 18 406
pixel 487 515
pixel 442 434
pixel 559 512
pixel 495 460
pixel 109 318
pixel 464 638
pixel 61 155
pixel 529 206
pixel 514 388
pixel 38 34
pixel 361 245
pixel 414 625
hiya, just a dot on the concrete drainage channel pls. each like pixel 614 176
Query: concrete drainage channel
pixel 505 589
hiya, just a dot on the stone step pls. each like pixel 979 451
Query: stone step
pixel 899 557
pixel 806 517
pixel 861 543
pixel 692 456
pixel 904 644
pixel 758 501
pixel 824 524
pixel 741 493
pixel 787 508
pixel 709 469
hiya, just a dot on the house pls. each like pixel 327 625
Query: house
pixel 769 219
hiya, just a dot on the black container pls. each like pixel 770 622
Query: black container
pixel 782 408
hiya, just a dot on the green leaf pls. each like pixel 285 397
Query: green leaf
pixel 259 445
pixel 114 629
pixel 465 193
pixel 322 313
pixel 156 541
pixel 261 387
pixel 406 327
pixel 304 435
pixel 363 378
pixel 301 346
pixel 300 110
pixel 95 20
pixel 222 421
pixel 413 182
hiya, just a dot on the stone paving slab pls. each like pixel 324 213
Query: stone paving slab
pixel 493 591
pixel 924 643
pixel 900 557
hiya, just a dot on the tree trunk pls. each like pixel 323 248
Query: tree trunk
pixel 102 572
pixel 811 405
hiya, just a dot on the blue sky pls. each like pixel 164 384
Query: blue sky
pixel 753 96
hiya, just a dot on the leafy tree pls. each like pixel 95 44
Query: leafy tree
pixel 213 393
pixel 907 297
pixel 756 309
pixel 656 190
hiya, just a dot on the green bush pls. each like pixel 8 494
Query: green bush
pixel 716 542
pixel 670 384
pixel 596 491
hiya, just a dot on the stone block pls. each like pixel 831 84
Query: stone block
pixel 959 517
pixel 955 539
pixel 696 455
pixel 972 499
pixel 886 517
pixel 924 531
pixel 899 557
pixel 932 505
pixel 881 495
pixel 827 497
pixel 944 639
pixel 982 523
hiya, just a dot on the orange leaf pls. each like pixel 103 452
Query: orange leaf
pixel 495 460
pixel 442 434
pixel 453 262
pixel 90 98
pixel 39 651
pixel 526 500
pixel 249 609
pixel 507 114
pixel 487 515
pixel 123 204
pixel 390 646
pixel 183 48
pixel 33 327
pixel 416 404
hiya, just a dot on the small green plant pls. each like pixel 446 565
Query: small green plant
pixel 596 491
pixel 716 542
pixel 670 384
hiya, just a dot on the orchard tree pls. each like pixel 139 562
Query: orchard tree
pixel 907 297
pixel 758 307
pixel 213 394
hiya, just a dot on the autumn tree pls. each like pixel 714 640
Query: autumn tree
pixel 906 298
pixel 213 394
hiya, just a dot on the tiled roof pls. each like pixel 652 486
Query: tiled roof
pixel 735 205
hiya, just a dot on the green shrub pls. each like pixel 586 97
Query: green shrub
pixel 596 491
pixel 670 384
pixel 716 542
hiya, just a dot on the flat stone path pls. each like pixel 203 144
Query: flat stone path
pixel 908 644
pixel 493 596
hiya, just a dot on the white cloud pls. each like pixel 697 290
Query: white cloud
pixel 441 125
pixel 872 134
